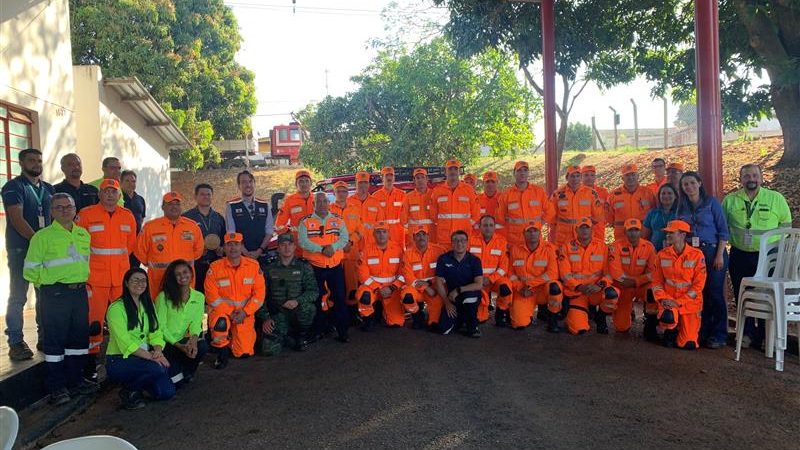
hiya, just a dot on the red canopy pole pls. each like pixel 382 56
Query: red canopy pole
pixel 709 111
pixel 549 62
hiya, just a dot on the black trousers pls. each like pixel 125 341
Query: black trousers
pixel 331 280
pixel 179 363
pixel 466 313
pixel 65 334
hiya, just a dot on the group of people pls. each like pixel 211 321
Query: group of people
pixel 441 256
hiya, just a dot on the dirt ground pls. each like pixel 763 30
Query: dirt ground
pixel 403 388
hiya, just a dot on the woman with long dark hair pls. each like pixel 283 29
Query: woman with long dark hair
pixel 180 314
pixel 135 347
pixel 658 217
pixel 706 218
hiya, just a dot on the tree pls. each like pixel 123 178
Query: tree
pixel 687 115
pixel 592 39
pixel 421 107
pixel 181 50
pixel 579 137
pixel 200 133
pixel 755 36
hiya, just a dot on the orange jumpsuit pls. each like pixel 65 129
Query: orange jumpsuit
pixel 494 260
pixel 538 270
pixel 113 239
pixel 355 232
pixel 415 211
pixel 638 263
pixel 229 289
pixel 624 205
pixel 160 242
pixel 516 208
pixel 294 208
pixel 380 268
pixel 585 265
pixel 452 210
pixel 488 206
pixel 370 213
pixel 681 278
pixel 572 206
pixel 419 265
pixel 656 184
pixel 392 203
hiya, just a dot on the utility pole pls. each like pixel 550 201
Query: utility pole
pixel 635 125
pixel 616 122
pixel 594 138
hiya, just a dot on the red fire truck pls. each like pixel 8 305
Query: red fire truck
pixel 285 142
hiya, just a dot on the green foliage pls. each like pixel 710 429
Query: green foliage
pixel 687 115
pixel 579 137
pixel 181 50
pixel 421 107
pixel 200 134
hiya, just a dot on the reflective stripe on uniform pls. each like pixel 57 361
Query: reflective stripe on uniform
pixel 453 216
pixel 384 279
pixel 76 351
pixel 678 284
pixel 109 251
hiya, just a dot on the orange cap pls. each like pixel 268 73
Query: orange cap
pixel 381 225
pixel 490 176
pixel 573 169
pixel 109 183
pixel 584 221
pixel 629 168
pixel 362 176
pixel 452 163
pixel 302 173
pixel 677 225
pixel 633 223
pixel 387 170
pixel 520 164
pixel 414 229
pixel 171 197
pixel 471 176
pixel 588 169
pixel 537 224
pixel 233 237
pixel 419 171
pixel 675 166
pixel 340 184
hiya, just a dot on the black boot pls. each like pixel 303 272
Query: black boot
pixel 223 356
pixel 368 323
pixel 600 321
pixel 131 399
pixel 501 318
pixel 650 324
pixel 552 323
pixel 418 319
pixel 670 336
pixel 90 368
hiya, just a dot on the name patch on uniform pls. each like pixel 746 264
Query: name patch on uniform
pixel 159 237
pixel 394 260
pixel 223 282
pixel 441 199
pixel 495 252
pixel 397 204
pixel 125 228
pixel 248 281
pixel 463 198
pixel 96 228
pixel 373 261
pixel 414 208
pixel 187 236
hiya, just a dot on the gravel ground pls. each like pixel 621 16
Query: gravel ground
pixel 403 388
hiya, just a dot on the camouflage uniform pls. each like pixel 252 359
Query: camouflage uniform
pixel 294 281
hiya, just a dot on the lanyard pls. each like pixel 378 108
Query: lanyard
pixel 38 194
pixel 750 208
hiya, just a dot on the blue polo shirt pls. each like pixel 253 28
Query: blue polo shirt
pixel 707 220
pixel 458 273
pixel 20 191
pixel 656 220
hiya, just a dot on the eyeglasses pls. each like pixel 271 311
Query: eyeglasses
pixel 137 281
pixel 62 208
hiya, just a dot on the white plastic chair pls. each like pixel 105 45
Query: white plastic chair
pixel 92 443
pixel 9 426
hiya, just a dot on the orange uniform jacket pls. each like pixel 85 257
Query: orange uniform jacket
pixel 681 278
pixel 533 268
pixel 601 192
pixel 113 240
pixel 624 205
pixel 579 265
pixel 518 207
pixel 370 213
pixel 392 204
pixel 637 262
pixel 230 288
pixel 420 266
pixel 294 208
pixel 488 206
pixel 416 210
pixel 352 221
pixel 655 185
pixel 160 242
pixel 571 206
pixel 381 268
pixel 452 210
pixel 493 256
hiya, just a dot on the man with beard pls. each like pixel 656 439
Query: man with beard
pixel 26 199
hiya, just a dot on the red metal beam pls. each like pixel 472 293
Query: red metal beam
pixel 709 111
pixel 549 62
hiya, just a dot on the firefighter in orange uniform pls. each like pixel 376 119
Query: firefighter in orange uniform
pixel 381 279
pixel 419 270
pixel 629 201
pixel 416 207
pixel 355 233
pixel 674 173
pixel 522 203
pixel 235 290
pixel 492 249
pixel 574 201
pixel 534 277
pixel 368 206
pixel 113 238
pixel 391 201
pixel 659 166
pixel 632 264
pixel 678 288
pixel 487 200
pixel 472 180
pixel 583 264
pixel 165 239
pixel 296 206
pixel 453 206
pixel 589 179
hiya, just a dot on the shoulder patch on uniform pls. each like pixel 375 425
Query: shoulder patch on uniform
pixel 235 199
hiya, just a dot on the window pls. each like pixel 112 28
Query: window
pixel 295 134
pixel 15 135
pixel 283 135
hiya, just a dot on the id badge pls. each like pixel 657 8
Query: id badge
pixel 41 221
pixel 748 238
pixel 695 241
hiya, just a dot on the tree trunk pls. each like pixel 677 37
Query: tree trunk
pixel 561 138
pixel 786 101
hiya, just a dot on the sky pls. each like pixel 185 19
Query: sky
pixel 300 56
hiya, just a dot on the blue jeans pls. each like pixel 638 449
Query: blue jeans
pixel 714 323
pixel 138 374
pixel 18 296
